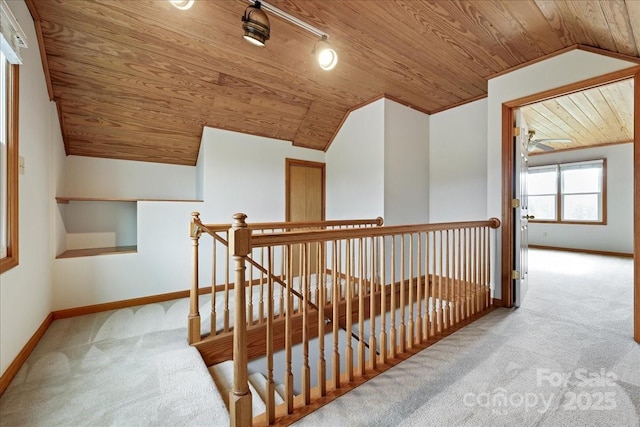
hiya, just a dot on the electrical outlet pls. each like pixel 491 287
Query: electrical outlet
pixel 21 165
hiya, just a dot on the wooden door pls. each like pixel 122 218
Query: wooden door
pixel 305 200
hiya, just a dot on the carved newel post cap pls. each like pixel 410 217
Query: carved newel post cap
pixel 239 220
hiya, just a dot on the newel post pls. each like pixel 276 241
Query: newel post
pixel 194 315
pixel 240 396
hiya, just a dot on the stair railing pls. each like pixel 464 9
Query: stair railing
pixel 408 283
pixel 222 287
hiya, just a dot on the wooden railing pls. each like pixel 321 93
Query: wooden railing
pixel 364 296
pixel 222 288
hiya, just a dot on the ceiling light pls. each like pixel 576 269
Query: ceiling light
pixel 182 4
pixel 255 24
pixel 325 54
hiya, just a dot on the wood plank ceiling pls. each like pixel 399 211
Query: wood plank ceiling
pixel 139 79
pixel 598 116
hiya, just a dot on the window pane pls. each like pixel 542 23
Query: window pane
pixel 581 207
pixel 542 183
pixel 543 207
pixel 586 180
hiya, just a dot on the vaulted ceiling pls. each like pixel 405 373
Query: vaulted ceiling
pixel 139 79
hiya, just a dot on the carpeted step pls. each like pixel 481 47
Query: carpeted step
pixel 222 375
pixel 259 383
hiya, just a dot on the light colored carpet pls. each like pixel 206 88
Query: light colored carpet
pixel 576 322
pixel 134 367
pixel 129 367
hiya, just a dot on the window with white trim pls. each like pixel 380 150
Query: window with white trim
pixel 568 192
pixel 12 40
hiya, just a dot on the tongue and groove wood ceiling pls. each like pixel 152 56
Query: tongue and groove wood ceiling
pixel 138 80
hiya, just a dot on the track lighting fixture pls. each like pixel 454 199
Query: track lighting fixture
pixel 326 56
pixel 255 24
pixel 182 4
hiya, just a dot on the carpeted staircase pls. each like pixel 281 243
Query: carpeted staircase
pixel 222 375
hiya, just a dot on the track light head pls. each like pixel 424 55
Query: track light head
pixel 255 24
pixel 326 56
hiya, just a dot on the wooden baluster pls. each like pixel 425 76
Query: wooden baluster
pixel 194 313
pixel 481 297
pixel 432 286
pixel 240 396
pixel 288 332
pixel 440 308
pixel 478 264
pixel 410 325
pixel 261 302
pixel 403 302
pixel 447 272
pixel 361 295
pixel 473 261
pixel 470 271
pixel 226 289
pixel 322 363
pixel 485 274
pixel 372 309
pixel 383 301
pixel 271 387
pixel 250 305
pixel 336 289
pixel 488 278
pixel 419 291
pixel 349 314
pixel 427 280
pixel 213 320
pixel 282 278
pixel 306 292
pixel 392 333
pixel 300 275
pixel 458 284
pixel 465 273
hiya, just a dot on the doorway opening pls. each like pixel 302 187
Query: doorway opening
pixel 510 213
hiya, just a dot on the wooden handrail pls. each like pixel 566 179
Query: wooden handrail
pixel 293 237
pixel 378 222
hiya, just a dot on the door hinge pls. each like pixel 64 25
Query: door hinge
pixel 516 131
pixel 515 203
pixel 515 275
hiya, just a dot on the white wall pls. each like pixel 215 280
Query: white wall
pixel 246 173
pixel 97 177
pixel 25 290
pixel 355 165
pixel 240 173
pixel 406 165
pixel 552 73
pixel 457 163
pixel 617 235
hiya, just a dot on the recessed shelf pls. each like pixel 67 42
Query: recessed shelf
pixel 76 253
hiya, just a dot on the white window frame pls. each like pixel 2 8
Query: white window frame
pixel 560 195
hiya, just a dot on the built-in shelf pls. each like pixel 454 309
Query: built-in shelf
pixel 76 253
pixel 101 225
pixel 65 200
